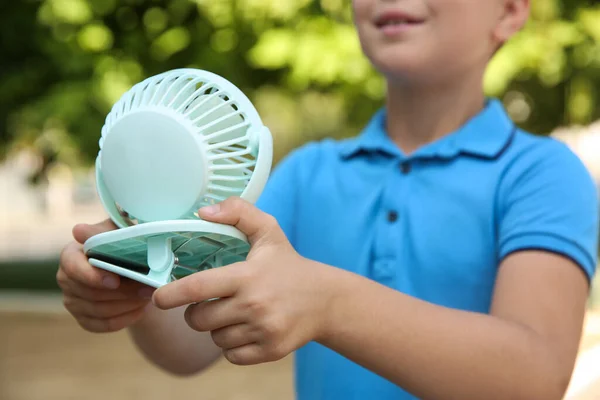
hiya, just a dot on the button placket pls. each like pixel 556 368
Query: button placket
pixel 389 224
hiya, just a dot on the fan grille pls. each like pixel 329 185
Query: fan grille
pixel 220 121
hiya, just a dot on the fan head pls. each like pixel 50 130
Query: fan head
pixel 179 141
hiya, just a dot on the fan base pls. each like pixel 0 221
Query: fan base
pixel 156 253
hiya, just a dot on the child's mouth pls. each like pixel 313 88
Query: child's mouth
pixel 393 23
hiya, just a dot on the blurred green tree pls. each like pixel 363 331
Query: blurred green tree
pixel 65 62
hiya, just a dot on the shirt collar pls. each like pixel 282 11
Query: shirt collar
pixel 485 135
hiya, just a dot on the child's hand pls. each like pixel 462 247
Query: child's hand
pixel 99 300
pixel 268 306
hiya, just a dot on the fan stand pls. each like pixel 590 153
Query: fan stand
pixel 155 253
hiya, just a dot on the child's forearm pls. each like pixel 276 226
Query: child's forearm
pixel 440 353
pixel 165 339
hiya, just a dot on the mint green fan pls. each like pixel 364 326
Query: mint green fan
pixel 172 144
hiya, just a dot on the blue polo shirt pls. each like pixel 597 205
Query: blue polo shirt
pixel 434 224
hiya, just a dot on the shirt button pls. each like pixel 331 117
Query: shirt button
pixel 384 271
pixel 405 167
pixel 392 216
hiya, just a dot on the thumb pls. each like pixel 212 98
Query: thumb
pixel 251 221
pixel 82 232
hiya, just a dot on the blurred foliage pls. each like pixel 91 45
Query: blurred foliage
pixel 63 63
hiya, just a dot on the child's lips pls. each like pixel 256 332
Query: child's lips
pixel 392 29
pixel 395 22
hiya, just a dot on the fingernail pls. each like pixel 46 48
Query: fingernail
pixel 211 210
pixel 154 301
pixel 146 293
pixel 110 282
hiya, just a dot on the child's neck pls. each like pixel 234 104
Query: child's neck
pixel 419 114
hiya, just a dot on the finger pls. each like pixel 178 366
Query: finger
pixel 82 232
pixel 76 267
pixel 114 324
pixel 249 354
pixel 234 336
pixel 102 309
pixel 210 284
pixel 211 315
pixel 127 290
pixel 254 223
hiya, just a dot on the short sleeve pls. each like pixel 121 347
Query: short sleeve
pixel 279 197
pixel 548 201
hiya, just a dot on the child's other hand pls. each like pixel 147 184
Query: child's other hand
pixel 99 300
pixel 268 306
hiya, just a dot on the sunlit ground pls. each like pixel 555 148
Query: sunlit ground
pixel 45 355
pixel 585 384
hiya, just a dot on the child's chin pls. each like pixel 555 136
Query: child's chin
pixel 400 59
pixel 403 69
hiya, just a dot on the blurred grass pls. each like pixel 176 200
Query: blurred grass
pixel 39 275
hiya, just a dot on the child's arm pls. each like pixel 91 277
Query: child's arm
pixel 165 338
pixel 525 349
pixel 278 301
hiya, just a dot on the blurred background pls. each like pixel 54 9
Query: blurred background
pixel 63 63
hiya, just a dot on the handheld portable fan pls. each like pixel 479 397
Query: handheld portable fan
pixel 174 143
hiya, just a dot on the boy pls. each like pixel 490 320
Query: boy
pixel 442 254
